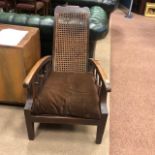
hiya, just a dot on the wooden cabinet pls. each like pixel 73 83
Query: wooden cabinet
pixel 139 5
pixel 16 62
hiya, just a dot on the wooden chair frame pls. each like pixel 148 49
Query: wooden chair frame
pixel 34 82
pixel 39 73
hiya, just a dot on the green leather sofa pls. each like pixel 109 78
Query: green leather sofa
pixel 98 26
pixel 107 5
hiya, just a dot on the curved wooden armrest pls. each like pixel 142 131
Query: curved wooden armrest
pixel 102 73
pixel 35 69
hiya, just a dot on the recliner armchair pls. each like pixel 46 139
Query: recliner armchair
pixel 67 88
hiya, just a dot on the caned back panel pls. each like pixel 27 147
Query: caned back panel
pixel 71 39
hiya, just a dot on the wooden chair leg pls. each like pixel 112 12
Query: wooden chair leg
pixel 50 8
pixel 46 9
pixel 43 11
pixel 101 128
pixel 35 11
pixel 29 124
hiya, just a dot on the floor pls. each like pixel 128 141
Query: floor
pixel 132 103
pixel 50 139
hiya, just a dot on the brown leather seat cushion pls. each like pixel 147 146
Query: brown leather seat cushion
pixel 29 6
pixel 68 94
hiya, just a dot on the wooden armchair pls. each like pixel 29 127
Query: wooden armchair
pixel 68 88
pixel 6 4
pixel 30 6
pixel 47 6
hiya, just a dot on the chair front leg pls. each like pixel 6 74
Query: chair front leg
pixel 33 82
pixel 29 124
pixel 101 128
pixel 28 120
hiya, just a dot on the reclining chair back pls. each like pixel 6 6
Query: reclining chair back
pixel 71 34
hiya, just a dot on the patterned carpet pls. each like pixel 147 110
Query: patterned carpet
pixel 132 119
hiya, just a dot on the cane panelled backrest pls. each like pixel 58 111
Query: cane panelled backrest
pixel 71 39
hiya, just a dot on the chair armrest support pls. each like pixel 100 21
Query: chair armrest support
pixel 29 78
pixel 103 84
pixel 35 79
pixel 96 67
pixel 28 105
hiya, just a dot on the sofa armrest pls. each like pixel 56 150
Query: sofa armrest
pixel 98 23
